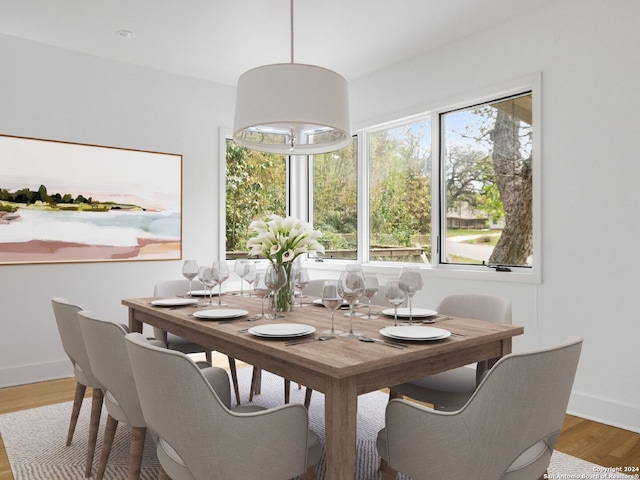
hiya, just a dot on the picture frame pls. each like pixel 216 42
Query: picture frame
pixel 64 202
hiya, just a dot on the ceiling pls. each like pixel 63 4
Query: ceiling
pixel 218 40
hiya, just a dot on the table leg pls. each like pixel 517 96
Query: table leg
pixel 340 413
pixel 134 325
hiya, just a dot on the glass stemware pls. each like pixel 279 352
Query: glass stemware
pixel 220 274
pixel 275 279
pixel 251 276
pixel 241 268
pixel 205 275
pixel 370 289
pixel 331 300
pixel 395 296
pixel 411 283
pixel 300 280
pixel 190 271
pixel 351 288
pixel 261 289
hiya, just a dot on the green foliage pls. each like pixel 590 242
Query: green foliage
pixel 255 189
pixel 335 202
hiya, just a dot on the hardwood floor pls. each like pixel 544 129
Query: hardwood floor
pixel 591 441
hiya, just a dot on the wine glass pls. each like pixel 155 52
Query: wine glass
pixel 275 279
pixel 300 280
pixel 351 288
pixel 241 268
pixel 190 271
pixel 331 300
pixel 261 289
pixel 251 276
pixel 395 296
pixel 370 289
pixel 411 283
pixel 220 274
pixel 205 275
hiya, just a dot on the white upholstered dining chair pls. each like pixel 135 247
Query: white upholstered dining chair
pixel 66 315
pixel 451 389
pixel 507 430
pixel 200 438
pixel 174 342
pixel 109 360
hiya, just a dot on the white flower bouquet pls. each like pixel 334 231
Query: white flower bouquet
pixel 281 241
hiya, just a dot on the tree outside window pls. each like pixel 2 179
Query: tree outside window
pixel 487 200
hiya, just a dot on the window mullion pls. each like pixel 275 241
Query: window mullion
pixel 363 170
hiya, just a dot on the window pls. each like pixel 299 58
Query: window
pixel 486 156
pixel 255 188
pixel 453 189
pixel 400 193
pixel 334 186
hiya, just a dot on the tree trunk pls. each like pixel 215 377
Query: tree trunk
pixel 513 176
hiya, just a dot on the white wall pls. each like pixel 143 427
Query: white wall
pixel 51 93
pixel 586 51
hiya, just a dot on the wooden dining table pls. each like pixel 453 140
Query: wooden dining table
pixel 342 368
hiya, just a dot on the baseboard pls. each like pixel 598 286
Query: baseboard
pixel 32 373
pixel 604 410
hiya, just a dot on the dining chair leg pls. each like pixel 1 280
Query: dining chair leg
pixel 388 473
pixel 309 473
pixel 94 423
pixel 393 394
pixel 163 475
pixel 287 390
pixel 307 397
pixel 136 449
pixel 207 356
pixel 234 378
pixel 77 404
pixel 107 443
pixel 256 380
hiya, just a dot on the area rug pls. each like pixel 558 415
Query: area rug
pixel 35 439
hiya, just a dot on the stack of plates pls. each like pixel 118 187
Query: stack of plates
pixel 220 313
pixel 281 330
pixel 173 302
pixel 416 312
pixel 415 332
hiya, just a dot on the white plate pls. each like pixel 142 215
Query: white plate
pixel 404 312
pixel 173 302
pixel 282 330
pixel 415 332
pixel 220 313
pixel 202 293
pixel 318 301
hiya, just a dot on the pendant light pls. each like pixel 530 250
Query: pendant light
pixel 292 108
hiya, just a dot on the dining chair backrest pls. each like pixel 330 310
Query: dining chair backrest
pixel 207 438
pixel 176 287
pixel 491 308
pixel 110 363
pixel 508 429
pixel 66 315
pixel 314 287
pixel 169 288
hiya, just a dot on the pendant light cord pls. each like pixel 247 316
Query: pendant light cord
pixel 291 31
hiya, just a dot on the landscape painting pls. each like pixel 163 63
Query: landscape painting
pixel 69 202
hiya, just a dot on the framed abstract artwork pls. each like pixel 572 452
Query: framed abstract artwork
pixel 70 202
